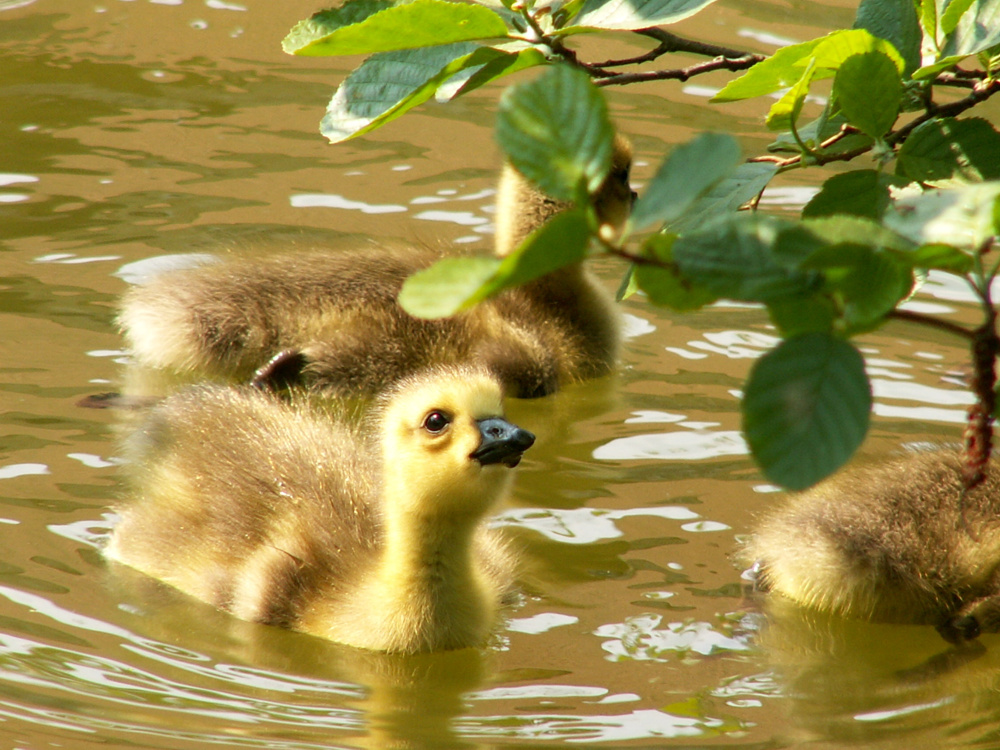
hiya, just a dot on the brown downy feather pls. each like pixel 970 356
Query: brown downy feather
pixel 896 542
pixel 367 535
pixel 337 313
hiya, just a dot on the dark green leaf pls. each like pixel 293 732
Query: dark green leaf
pixel 806 408
pixel 946 148
pixel 555 130
pixel 503 65
pixel 895 21
pixel 736 257
pixel 691 170
pixel 742 185
pixel 863 192
pixel 868 90
pixel 665 286
pixel 797 315
pixel 634 14
pixel 444 288
pixel 390 84
pixel 942 257
pixel 361 27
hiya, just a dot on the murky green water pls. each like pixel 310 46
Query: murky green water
pixel 134 130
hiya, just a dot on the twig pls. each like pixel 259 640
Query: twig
pixel 926 320
pixel 681 74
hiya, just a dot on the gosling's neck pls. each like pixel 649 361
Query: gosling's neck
pixel 520 209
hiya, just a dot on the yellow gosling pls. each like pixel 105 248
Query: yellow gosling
pixel 332 320
pixel 369 537
pixel 892 542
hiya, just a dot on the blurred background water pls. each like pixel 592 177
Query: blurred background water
pixel 135 131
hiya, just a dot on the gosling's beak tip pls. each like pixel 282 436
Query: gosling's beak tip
pixel 502 442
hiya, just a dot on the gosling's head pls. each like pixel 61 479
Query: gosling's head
pixel 522 207
pixel 446 446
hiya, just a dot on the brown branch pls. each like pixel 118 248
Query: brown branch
pixel 674 43
pixel 682 74
pixel 926 320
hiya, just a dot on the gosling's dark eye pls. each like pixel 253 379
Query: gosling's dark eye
pixel 436 421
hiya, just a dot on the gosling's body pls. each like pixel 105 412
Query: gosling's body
pixel 893 542
pixel 338 312
pixel 282 516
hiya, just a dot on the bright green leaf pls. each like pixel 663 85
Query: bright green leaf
pixel 628 285
pixel 840 45
pixel 361 27
pixel 664 285
pixel 978 29
pixel 444 288
pixel 390 84
pixel 784 113
pixel 556 131
pixel 963 217
pixel 946 149
pixel 941 257
pixel 634 14
pixel 895 21
pixel 928 19
pixel 868 90
pixel 806 408
pixel 953 13
pixel 862 192
pixel 779 71
pixel 727 195
pixel 736 257
pixel 691 170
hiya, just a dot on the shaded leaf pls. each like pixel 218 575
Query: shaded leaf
pixel 727 195
pixel 498 67
pixel 977 28
pixel 806 408
pixel 690 171
pixel 797 315
pixel 869 91
pixel 362 27
pixel 862 192
pixel 634 14
pixel 555 130
pixel 897 22
pixel 857 230
pixel 942 257
pixel 738 258
pixel 665 286
pixel 946 148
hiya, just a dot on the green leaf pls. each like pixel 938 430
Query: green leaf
pixel 691 170
pixel 784 113
pixel 977 29
pixel 897 22
pixel 928 19
pixel 953 13
pixel 797 315
pixel 840 45
pixel 361 27
pixel 665 286
pixel 634 14
pixel 390 84
pixel 737 257
pixel 628 285
pixel 444 288
pixel 857 230
pixel 963 217
pixel 779 71
pixel 503 65
pixel 941 257
pixel 455 284
pixel 862 192
pixel 556 131
pixel 947 149
pixel 727 195
pixel 806 408
pixel 868 90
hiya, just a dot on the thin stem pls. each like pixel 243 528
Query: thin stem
pixel 682 74
pixel 926 320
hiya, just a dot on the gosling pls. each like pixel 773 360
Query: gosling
pixel 371 537
pixel 330 320
pixel 894 542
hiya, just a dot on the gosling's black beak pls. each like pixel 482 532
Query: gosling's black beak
pixel 502 442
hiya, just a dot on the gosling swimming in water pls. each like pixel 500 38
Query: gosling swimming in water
pixel 283 516
pixel 334 323
pixel 892 542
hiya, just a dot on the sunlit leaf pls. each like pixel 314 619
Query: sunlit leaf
pixel 390 84
pixel 784 113
pixel 362 27
pixel 869 91
pixel 690 171
pixel 858 230
pixel 634 14
pixel 964 216
pixel 942 257
pixel 779 71
pixel 946 148
pixel 444 288
pixel 555 130
pixel 806 408
pixel 953 14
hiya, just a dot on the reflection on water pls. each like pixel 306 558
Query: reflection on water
pixel 128 152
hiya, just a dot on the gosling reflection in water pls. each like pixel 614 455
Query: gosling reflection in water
pixel 283 516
